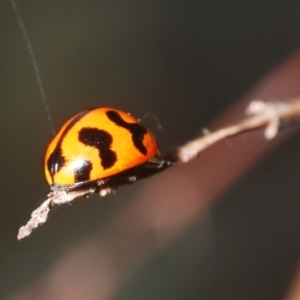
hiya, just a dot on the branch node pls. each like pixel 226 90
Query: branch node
pixel 270 111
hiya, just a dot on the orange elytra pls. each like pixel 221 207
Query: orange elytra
pixel 97 144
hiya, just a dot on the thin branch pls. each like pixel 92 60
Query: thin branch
pixel 271 115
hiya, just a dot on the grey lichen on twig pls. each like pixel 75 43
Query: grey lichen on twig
pixel 271 115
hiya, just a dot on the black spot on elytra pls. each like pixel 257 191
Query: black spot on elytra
pixel 56 159
pixel 101 140
pixel 83 173
pixel 137 130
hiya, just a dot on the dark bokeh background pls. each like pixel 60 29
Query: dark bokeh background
pixel 184 62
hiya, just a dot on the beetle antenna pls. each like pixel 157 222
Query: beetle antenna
pixel 33 61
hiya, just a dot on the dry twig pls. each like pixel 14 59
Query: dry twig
pixel 272 115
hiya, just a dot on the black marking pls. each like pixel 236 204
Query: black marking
pixel 137 130
pixel 101 140
pixel 83 173
pixel 56 159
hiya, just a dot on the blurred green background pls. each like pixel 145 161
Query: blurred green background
pixel 184 62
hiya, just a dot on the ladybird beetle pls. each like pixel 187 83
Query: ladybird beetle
pixel 98 144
